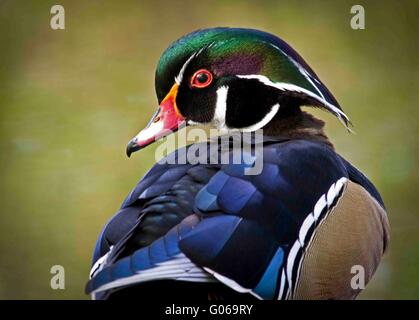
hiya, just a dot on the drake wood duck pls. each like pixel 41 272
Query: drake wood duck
pixel 210 231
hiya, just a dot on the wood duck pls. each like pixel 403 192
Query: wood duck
pixel 296 230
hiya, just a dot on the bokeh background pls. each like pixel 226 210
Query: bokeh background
pixel 71 99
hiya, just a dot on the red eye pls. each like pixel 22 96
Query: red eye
pixel 201 79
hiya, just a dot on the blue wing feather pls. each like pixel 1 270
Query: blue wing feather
pixel 162 250
pixel 241 226
pixel 271 207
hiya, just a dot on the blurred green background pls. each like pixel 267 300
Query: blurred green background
pixel 71 99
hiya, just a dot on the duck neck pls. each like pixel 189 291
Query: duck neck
pixel 297 124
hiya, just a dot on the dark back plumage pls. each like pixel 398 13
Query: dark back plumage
pixel 242 227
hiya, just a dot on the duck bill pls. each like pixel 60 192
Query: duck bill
pixel 165 121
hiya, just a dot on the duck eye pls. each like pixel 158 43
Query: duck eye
pixel 201 79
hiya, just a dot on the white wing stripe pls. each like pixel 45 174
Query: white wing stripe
pixel 301 243
pixel 185 269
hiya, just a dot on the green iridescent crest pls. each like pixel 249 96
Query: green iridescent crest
pixel 256 46
pixel 235 51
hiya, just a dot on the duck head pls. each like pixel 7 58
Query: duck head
pixel 231 79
